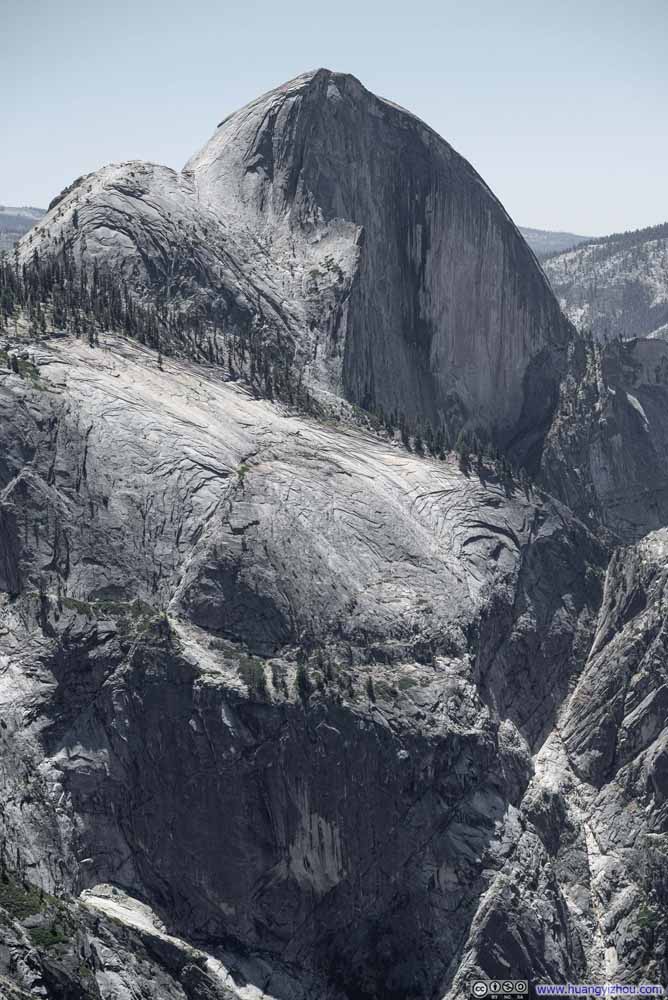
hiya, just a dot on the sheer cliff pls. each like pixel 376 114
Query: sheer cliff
pixel 335 220
pixel 166 594
pixel 289 710
pixel 606 454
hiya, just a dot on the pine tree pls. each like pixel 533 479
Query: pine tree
pixel 429 437
pixel 418 444
pixel 303 682
pixel 405 436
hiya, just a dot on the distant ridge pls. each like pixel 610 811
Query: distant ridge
pixel 615 285
pixel 629 237
pixel 544 242
pixel 15 221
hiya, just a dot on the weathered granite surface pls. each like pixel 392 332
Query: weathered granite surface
pixel 331 219
pixel 606 454
pixel 287 711
pixel 442 622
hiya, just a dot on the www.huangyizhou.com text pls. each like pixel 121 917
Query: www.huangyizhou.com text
pixel 599 990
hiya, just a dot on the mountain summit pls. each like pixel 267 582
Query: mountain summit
pixel 341 224
pixel 296 704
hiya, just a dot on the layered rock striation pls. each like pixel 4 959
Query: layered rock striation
pixel 288 710
pixel 335 221
pixel 163 595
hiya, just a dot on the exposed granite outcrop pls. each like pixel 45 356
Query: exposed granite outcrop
pixel 287 711
pixel 330 219
pixel 585 891
pixel 606 454
pixel 158 760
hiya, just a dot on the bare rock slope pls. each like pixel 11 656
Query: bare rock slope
pixel 286 710
pixel 364 832
pixel 606 454
pixel 333 225
pixel 136 735
pixel 334 220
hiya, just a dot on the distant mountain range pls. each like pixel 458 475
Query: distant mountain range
pixel 543 242
pixel 15 222
pixel 616 285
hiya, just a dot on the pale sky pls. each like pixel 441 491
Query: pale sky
pixel 561 106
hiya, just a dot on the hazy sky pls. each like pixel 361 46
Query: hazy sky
pixel 562 106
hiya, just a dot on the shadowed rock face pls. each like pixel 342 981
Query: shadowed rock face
pixel 606 453
pixel 344 842
pixel 446 302
pixel 461 791
pixel 338 220
pixel 287 712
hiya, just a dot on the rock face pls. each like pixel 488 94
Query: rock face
pixel 337 221
pixel 606 453
pixel 616 286
pixel 288 711
pixel 591 862
pixel 436 658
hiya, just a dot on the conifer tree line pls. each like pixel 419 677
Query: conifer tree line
pixel 475 452
pixel 55 294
